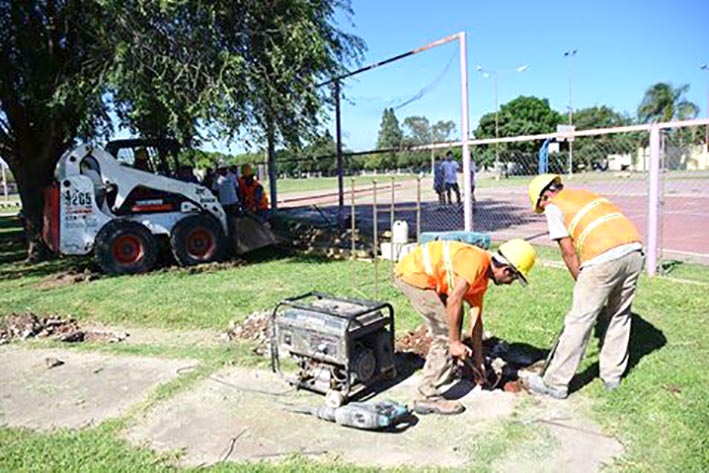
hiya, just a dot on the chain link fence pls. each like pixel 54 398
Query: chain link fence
pixel 383 188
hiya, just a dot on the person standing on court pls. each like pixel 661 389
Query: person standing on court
pixel 450 177
pixel 438 182
pixel 437 277
pixel 603 252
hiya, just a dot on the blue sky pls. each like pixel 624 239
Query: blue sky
pixel 623 48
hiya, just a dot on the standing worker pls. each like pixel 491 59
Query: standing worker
pixel 253 198
pixel 438 182
pixel 450 177
pixel 603 252
pixel 437 277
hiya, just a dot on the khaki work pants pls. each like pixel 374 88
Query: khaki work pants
pixel 439 367
pixel 610 285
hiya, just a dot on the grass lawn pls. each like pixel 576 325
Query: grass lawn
pixel 660 413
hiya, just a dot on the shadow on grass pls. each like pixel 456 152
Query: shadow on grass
pixel 645 338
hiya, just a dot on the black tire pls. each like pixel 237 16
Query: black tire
pixel 197 239
pixel 125 247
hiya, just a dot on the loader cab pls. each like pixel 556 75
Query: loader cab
pixel 154 156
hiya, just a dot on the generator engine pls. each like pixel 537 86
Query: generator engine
pixel 340 346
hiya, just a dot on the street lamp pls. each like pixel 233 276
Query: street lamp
pixel 570 55
pixel 705 67
pixel 486 73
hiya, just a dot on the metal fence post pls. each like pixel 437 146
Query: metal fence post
pixel 375 239
pixel 653 201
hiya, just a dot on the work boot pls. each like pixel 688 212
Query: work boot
pixel 438 406
pixel 536 385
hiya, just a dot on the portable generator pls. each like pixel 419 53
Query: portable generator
pixel 340 346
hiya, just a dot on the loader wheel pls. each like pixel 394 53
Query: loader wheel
pixel 197 239
pixel 125 247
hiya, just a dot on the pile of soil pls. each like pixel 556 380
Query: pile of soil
pixel 256 328
pixel 29 325
pixel 417 342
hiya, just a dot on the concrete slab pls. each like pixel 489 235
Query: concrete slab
pixel 86 389
pixel 238 415
pixel 231 420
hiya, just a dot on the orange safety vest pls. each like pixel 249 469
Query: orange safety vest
pixel 435 265
pixel 248 195
pixel 595 224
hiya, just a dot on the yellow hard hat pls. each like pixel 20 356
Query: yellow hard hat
pixel 247 170
pixel 536 188
pixel 520 255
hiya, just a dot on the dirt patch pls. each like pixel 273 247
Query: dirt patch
pixel 29 325
pixel 256 329
pixel 67 278
pixel 204 268
pixel 417 342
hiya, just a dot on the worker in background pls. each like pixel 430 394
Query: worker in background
pixel 439 185
pixel 603 252
pixel 141 161
pixel 450 177
pixel 251 192
pixel 437 277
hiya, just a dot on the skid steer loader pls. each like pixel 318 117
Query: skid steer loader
pixel 99 203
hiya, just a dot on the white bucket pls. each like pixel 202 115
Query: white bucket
pixel 400 232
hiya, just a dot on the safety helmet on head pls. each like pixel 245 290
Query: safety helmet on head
pixel 518 254
pixel 537 187
pixel 247 170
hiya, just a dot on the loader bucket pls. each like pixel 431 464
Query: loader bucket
pixel 251 233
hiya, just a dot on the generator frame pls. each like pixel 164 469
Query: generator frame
pixel 352 318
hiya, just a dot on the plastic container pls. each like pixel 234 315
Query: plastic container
pixel 400 232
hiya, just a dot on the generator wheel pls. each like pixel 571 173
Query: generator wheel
pixel 197 239
pixel 125 247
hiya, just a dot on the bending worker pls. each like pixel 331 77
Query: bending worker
pixel 251 193
pixel 603 252
pixel 436 278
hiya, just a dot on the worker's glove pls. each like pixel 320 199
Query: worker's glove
pixel 459 350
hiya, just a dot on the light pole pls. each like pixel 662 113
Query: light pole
pixel 495 74
pixel 570 55
pixel 705 67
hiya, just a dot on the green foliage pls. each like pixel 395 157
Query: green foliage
pixel 664 102
pixel 390 136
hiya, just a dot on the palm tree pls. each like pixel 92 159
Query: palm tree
pixel 663 102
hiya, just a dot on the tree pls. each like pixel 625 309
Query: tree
pixel 230 68
pixel 663 102
pixel 390 136
pixel 520 116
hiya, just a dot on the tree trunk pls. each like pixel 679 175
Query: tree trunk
pixel 33 170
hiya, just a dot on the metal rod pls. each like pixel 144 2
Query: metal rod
pixel 338 153
pixel 391 218
pixel 653 201
pixel 418 208
pixel 271 159
pixel 467 211
pixel 352 230
pixel 374 65
pixel 4 181
pixel 375 225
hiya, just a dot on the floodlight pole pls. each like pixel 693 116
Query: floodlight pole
pixel 467 195
pixel 570 54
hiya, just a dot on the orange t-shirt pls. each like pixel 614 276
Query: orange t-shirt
pixel 468 262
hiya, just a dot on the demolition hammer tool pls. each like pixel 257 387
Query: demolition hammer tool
pixel 359 415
